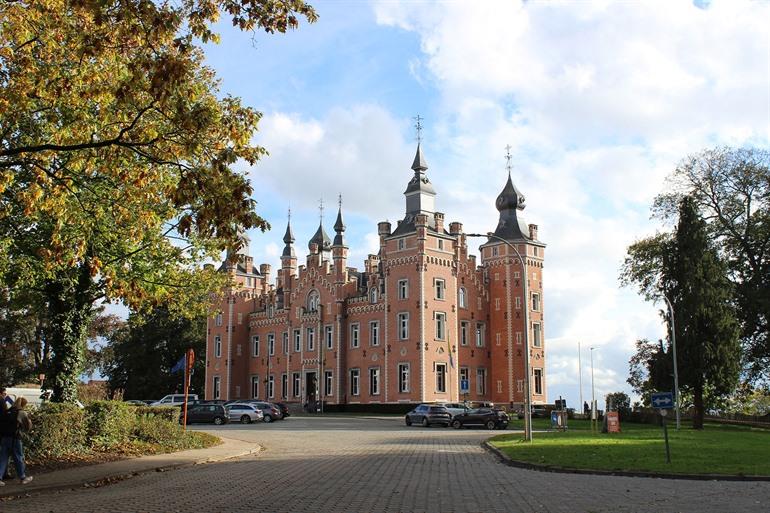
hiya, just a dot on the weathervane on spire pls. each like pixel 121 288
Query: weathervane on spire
pixel 508 158
pixel 418 126
pixel 321 208
pixel 289 214
pixel 339 200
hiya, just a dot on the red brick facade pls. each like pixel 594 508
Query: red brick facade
pixel 421 316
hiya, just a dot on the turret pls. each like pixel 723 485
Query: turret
pixel 340 249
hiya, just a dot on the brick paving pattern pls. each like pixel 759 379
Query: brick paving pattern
pixel 379 465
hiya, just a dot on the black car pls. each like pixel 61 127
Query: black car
pixel 538 412
pixel 487 417
pixel 284 409
pixel 428 415
pixel 206 414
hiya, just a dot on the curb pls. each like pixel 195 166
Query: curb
pixel 108 478
pixel 503 458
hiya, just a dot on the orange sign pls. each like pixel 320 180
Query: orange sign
pixel 613 422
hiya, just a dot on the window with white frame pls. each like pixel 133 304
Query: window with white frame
pixel 295 384
pixel 403 325
pixel 271 344
pixel 403 289
pixel 461 298
pixel 494 251
pixel 218 319
pixel 218 346
pixel 217 391
pixel 285 337
pixel 373 295
pixel 440 288
pixel 403 378
pixel 329 336
pixel 310 339
pixel 520 385
pixel 355 381
pixel 374 381
pixel 516 274
pixel 538 381
pixel 518 338
pixel 518 303
pixel 440 377
pixel 285 386
pixel 536 302
pixel 498 338
pixel 497 303
pixel 499 386
pixel 313 300
pixel 271 386
pixel 440 325
pixel 355 332
pixel 374 333
pixel 464 333
pixel 536 340
pixel 479 334
pixel 297 341
pixel 441 244
pixel 401 244
pixel 481 381
pixel 239 317
pixel 328 383
pixel 255 387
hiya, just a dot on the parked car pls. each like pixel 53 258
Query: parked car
pixel 207 414
pixel 244 413
pixel 284 409
pixel 270 411
pixel 175 400
pixel 135 402
pixel 538 412
pixel 427 415
pixel 487 417
pixel 214 401
pixel 454 408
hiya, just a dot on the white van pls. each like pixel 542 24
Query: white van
pixel 175 400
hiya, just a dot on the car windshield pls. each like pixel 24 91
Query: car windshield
pixel 437 409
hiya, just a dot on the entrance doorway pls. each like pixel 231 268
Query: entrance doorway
pixel 311 391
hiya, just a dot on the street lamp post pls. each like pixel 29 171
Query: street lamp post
pixel 594 412
pixel 676 372
pixel 527 395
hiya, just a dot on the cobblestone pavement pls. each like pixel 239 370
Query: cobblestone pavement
pixel 363 465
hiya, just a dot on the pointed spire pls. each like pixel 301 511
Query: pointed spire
pixel 509 203
pixel 339 226
pixel 419 164
pixel 288 239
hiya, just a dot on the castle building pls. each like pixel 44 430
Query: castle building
pixel 423 321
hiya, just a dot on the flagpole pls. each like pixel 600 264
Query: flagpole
pixel 188 362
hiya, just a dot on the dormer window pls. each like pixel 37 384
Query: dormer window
pixel 373 295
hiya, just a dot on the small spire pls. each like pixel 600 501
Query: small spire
pixel 339 226
pixel 321 209
pixel 508 164
pixel 419 165
pixel 288 239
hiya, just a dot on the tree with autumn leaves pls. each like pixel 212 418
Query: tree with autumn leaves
pixel 117 157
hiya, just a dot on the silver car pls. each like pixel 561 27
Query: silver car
pixel 454 408
pixel 244 413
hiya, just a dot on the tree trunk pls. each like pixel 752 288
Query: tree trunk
pixel 69 304
pixel 697 418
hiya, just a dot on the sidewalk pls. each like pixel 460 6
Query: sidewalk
pixel 95 475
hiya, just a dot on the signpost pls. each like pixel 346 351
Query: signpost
pixel 664 401
pixel 464 386
pixel 188 367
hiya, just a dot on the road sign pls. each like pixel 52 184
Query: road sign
pixel 663 400
pixel 613 422
pixel 464 386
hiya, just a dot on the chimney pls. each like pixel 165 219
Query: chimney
pixel 455 228
pixel 439 217
pixel 264 270
pixel 533 231
pixel 383 228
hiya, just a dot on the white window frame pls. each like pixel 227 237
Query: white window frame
pixel 296 384
pixel 374 333
pixel 401 244
pixel 297 341
pixel 255 387
pixel 481 381
pixel 441 378
pixel 373 295
pixel 355 382
pixel 328 383
pixel 439 288
pixel 537 334
pixel 464 333
pixel 480 328
pixel 403 378
pixel 440 325
pixel 537 377
pixel 271 344
pixel 255 346
pixel 535 302
pixel 217 346
pixel 217 386
pixel 218 319
pixel 355 335
pixel 518 303
pixel 374 381
pixel 461 299
pixel 403 289
pixel 403 325
pixel 310 333
pixel 285 386
pixel 285 342
pixel 329 335
pixel 271 386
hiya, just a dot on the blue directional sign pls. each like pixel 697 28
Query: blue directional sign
pixel 663 400
pixel 464 386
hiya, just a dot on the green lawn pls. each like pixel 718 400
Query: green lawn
pixel 718 449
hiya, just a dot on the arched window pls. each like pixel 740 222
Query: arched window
pixel 461 298
pixel 373 295
pixel 313 300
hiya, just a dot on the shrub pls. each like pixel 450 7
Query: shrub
pixel 57 430
pixel 109 424
pixel 169 413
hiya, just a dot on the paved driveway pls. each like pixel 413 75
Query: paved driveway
pixel 362 465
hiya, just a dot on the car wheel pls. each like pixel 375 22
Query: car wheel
pixel 425 422
pixel 245 419
pixel 408 421
pixel 268 419
pixel 457 424
pixel 219 421
pixel 490 424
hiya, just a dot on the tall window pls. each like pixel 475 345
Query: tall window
pixel 538 381
pixel 464 333
pixel 297 341
pixel 355 385
pixel 440 244
pixel 373 295
pixel 499 386
pixel 479 334
pixel 218 346
pixel 354 335
pixel 285 338
pixel 329 336
pixel 311 339
pixel 536 302
pixel 519 385
pixel 216 393
pixel 295 388
pixel 374 333
pixel 536 340
pixel 518 337
pixel 497 303
pixel 401 244
pixel 255 387
pixel 498 338
pixel 461 298
pixel 403 377
pixel 218 319
pixel 440 377
pixel 374 381
pixel 284 386
pixel 328 382
pixel 271 386
pixel 313 300
pixel 481 381
pixel 271 344
pixel 255 345
pixel 440 286
pixel 403 289
pixel 440 325
pixel 518 303
pixel 403 326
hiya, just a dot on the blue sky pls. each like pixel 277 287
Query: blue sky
pixel 599 101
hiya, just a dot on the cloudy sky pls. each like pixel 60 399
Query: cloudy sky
pixel 598 101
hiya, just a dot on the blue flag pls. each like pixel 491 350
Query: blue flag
pixel 179 367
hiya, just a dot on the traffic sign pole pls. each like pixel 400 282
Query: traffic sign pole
pixel 665 435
